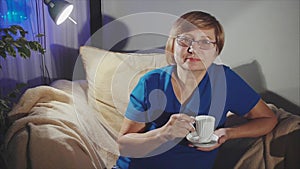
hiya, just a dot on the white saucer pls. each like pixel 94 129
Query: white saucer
pixel 214 141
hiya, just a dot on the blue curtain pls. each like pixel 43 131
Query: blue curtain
pixel 19 70
pixel 62 42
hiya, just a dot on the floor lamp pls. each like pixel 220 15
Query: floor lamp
pixel 59 11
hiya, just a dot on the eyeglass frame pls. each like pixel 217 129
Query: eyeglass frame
pixel 191 42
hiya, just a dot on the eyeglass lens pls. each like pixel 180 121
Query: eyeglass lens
pixel 202 44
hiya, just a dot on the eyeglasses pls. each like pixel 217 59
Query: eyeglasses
pixel 202 44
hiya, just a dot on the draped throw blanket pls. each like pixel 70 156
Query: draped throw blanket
pixel 58 130
pixel 55 127
pixel 274 149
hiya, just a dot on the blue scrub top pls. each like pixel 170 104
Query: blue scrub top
pixel 153 101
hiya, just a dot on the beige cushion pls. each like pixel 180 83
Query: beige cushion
pixel 111 76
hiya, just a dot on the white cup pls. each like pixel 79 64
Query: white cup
pixel 205 125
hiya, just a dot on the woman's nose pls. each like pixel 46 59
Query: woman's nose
pixel 190 49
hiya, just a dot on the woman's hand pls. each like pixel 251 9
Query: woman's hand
pixel 178 126
pixel 223 137
pixel 132 139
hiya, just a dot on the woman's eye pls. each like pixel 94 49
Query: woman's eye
pixel 186 41
pixel 205 41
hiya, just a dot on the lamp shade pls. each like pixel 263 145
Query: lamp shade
pixel 59 10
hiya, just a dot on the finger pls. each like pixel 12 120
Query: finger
pixel 187 118
pixel 208 148
pixel 205 148
pixel 186 125
pixel 192 128
pixel 191 145
pixel 221 140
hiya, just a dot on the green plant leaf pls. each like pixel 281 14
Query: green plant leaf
pixel 6 104
pixel 7 38
pixel 12 95
pixel 9 44
pixel 23 33
pixel 2 53
pixel 21 30
pixel 40 48
pixel 13 30
pixel 2 44
pixel 20 85
pixel 19 27
pixel 32 46
pixel 24 52
pixel 10 50
pixel 17 44
pixel 5 30
pixel 39 35
pixel 23 40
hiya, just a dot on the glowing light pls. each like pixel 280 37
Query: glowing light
pixel 12 13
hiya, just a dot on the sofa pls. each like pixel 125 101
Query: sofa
pixel 75 124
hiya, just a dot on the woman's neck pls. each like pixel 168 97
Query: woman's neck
pixel 188 78
pixel 184 82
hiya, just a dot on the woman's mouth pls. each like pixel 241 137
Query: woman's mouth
pixel 193 59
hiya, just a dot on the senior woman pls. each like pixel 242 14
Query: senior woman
pixel 165 101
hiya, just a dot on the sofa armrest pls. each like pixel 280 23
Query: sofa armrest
pixel 277 149
pixel 273 98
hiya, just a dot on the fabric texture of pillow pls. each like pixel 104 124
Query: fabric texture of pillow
pixel 111 76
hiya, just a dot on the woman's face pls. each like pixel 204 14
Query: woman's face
pixel 194 57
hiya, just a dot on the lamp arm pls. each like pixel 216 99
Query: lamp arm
pixel 47 1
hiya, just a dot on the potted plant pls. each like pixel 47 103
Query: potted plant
pixel 12 42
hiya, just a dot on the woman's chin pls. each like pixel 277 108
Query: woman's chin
pixel 199 66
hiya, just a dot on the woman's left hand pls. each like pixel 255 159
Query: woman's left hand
pixel 221 133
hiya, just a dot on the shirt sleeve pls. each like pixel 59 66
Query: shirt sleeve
pixel 240 96
pixel 148 99
pixel 136 109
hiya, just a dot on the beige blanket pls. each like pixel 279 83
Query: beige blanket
pixel 58 130
pixel 277 150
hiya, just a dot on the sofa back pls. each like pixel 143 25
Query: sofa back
pixel 111 77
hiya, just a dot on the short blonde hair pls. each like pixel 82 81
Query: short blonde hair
pixel 189 22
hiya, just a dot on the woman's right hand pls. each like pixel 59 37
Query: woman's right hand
pixel 132 139
pixel 178 126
